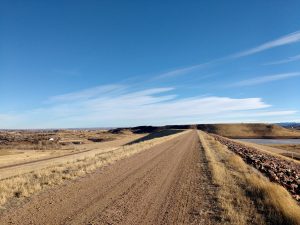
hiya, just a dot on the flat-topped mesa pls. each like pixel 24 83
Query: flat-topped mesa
pixel 283 172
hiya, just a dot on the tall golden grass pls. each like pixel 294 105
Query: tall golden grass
pixel 245 195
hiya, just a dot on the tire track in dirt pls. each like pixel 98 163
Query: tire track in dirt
pixel 166 184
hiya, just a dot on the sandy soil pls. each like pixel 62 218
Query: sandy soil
pixel 167 184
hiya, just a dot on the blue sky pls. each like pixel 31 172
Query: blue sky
pixel 126 63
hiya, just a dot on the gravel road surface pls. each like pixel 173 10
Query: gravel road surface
pixel 166 184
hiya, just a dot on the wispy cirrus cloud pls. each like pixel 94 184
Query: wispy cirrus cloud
pixel 281 41
pixel 289 59
pixel 264 79
pixel 127 107
pixel 263 113
pixel 87 93
pixel 183 71
pixel 285 40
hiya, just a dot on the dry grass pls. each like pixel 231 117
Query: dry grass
pixel 237 207
pixel 246 196
pixel 5 152
pixel 292 148
pixel 21 156
pixel 27 184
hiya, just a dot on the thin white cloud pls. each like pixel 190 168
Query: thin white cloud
pixel 149 106
pixel 275 113
pixel 182 71
pixel 266 113
pixel 152 91
pixel 86 93
pixel 285 40
pixel 264 79
pixel 290 59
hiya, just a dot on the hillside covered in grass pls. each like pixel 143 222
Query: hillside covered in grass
pixel 258 130
pixel 238 130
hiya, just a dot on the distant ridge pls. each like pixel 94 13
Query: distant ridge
pixel 238 130
pixel 289 124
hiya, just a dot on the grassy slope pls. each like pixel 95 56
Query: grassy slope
pixel 238 130
pixel 246 196
pixel 250 130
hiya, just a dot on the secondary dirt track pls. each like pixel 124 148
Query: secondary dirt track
pixel 167 184
pixel 16 168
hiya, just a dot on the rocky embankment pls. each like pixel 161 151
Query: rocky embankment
pixel 283 172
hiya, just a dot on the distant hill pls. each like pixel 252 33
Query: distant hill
pixel 291 125
pixel 241 130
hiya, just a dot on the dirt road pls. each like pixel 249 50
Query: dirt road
pixel 167 184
